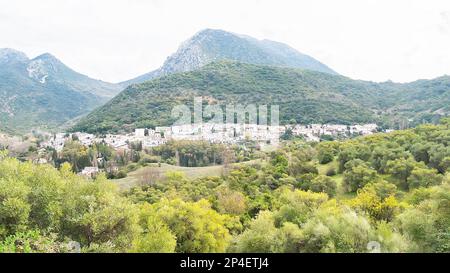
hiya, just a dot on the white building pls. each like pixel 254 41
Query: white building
pixel 228 133
pixel 139 132
pixel 89 171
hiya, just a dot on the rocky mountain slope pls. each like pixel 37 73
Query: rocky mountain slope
pixel 43 92
pixel 212 45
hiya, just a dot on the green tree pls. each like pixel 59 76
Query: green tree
pixel 402 169
pixel 296 206
pixel 357 177
pixel 324 184
pixel 155 236
pixel 379 209
pixel 427 223
pixel 102 215
pixel 421 177
pixel 197 227
pixel 336 231
pixel 14 207
pixel 326 152
pixel 261 237
pixel 231 202
pixel 31 242
pixel 350 151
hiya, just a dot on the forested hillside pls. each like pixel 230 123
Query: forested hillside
pixel 305 197
pixel 303 96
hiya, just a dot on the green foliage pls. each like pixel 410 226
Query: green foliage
pixel 328 227
pixel 326 152
pixel 303 96
pixel 376 207
pixel 156 236
pixel 331 171
pixel 428 223
pixel 319 183
pixel 30 242
pixel 76 154
pixel 231 202
pixel 357 176
pixel 402 169
pixel 391 190
pixel 350 151
pixel 196 226
pixel 297 206
pixel 191 153
pixel 337 232
pixel 422 177
pixel 40 197
pixel 261 237
pixel 323 184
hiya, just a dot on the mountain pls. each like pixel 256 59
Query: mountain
pixel 43 92
pixel 304 96
pixel 212 45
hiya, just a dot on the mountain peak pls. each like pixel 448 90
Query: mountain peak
pixel 44 92
pixel 208 31
pixel 45 66
pixel 11 55
pixel 48 58
pixel 7 50
pixel 210 45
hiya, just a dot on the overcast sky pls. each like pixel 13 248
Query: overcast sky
pixel 115 40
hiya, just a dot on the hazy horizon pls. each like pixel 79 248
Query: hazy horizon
pixel 119 40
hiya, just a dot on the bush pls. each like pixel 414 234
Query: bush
pixel 357 177
pixel 325 156
pixel 149 159
pixel 323 184
pixel 121 174
pixel 331 171
pixel 131 167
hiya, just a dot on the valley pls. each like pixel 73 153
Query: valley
pixel 95 167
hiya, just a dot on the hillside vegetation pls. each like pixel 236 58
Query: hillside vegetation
pixel 303 96
pixel 328 197
pixel 43 93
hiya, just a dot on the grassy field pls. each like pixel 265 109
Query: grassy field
pixel 340 193
pixel 135 177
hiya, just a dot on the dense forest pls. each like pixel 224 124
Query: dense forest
pixel 332 196
pixel 304 97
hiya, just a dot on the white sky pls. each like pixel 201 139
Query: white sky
pixel 115 40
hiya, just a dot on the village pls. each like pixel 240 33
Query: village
pixel 213 133
pixel 227 134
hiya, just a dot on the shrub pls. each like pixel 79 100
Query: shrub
pixel 331 171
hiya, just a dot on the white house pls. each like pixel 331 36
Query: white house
pixel 89 171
